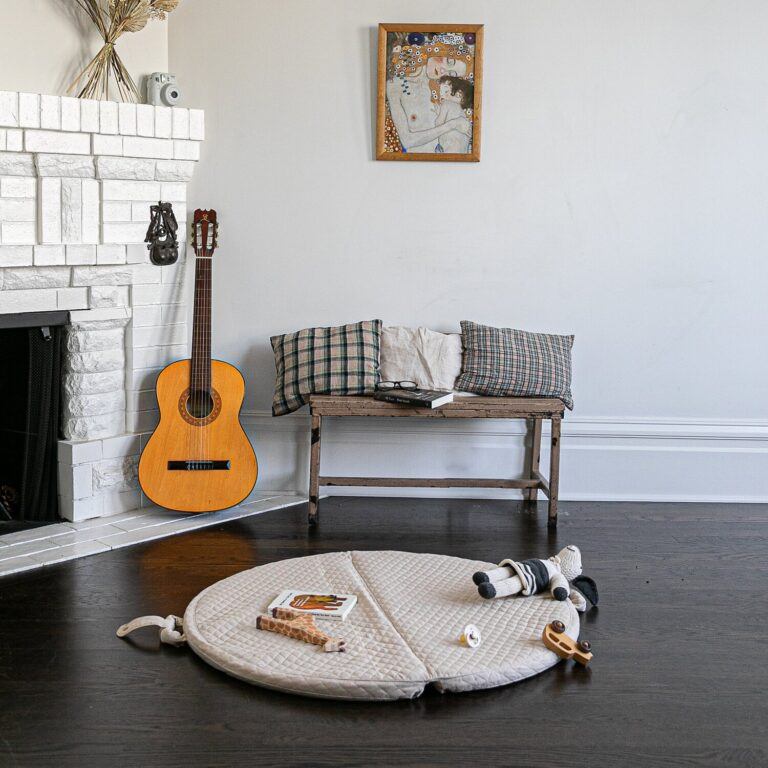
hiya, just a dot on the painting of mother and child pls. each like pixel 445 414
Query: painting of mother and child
pixel 430 84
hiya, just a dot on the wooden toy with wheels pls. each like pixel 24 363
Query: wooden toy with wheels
pixel 565 647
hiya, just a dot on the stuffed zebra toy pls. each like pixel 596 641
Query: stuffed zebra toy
pixel 560 575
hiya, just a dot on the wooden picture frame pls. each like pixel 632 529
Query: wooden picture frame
pixel 428 75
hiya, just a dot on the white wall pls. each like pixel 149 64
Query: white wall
pixel 621 197
pixel 44 44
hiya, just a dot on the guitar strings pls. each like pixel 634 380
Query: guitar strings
pixel 201 325
pixel 209 295
pixel 198 303
pixel 201 361
pixel 211 400
pixel 207 333
pixel 207 396
pixel 190 404
pixel 201 384
pixel 195 438
pixel 195 342
pixel 207 336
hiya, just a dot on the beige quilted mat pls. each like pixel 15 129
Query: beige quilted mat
pixel 402 634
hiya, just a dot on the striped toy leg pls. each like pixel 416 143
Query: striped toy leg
pixel 510 586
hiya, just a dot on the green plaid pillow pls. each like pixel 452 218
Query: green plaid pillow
pixel 503 362
pixel 325 361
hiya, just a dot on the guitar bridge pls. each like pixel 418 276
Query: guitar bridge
pixel 199 465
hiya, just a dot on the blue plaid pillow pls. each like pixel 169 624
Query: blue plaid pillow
pixel 325 361
pixel 503 362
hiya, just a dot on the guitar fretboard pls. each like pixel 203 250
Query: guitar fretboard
pixel 200 375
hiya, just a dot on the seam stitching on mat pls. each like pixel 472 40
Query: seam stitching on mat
pixel 203 650
pixel 376 602
pixel 209 657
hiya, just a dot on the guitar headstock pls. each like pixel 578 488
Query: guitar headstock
pixel 205 232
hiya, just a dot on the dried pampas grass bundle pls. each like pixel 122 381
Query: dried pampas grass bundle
pixel 112 18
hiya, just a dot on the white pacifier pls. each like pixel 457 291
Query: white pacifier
pixel 470 637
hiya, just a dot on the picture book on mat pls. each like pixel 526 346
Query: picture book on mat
pixel 316 603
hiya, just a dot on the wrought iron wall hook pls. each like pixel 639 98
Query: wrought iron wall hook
pixel 161 237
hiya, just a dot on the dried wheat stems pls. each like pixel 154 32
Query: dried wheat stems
pixel 112 18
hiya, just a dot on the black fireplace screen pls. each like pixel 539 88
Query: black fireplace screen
pixel 30 381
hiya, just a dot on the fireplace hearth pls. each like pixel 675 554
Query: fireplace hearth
pixel 30 394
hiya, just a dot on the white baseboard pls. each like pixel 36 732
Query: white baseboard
pixel 602 459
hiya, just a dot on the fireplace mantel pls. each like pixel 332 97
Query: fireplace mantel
pixel 77 178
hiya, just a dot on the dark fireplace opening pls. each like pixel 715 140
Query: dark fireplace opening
pixel 30 395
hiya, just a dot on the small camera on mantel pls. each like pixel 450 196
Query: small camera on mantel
pixel 162 90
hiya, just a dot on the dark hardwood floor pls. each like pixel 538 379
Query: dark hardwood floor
pixel 679 676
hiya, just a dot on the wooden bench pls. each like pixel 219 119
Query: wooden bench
pixel 533 410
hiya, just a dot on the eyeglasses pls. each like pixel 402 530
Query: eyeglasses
pixel 397 385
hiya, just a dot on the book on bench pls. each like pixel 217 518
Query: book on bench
pixel 417 398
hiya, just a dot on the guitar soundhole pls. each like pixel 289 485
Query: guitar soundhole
pixel 199 408
pixel 199 404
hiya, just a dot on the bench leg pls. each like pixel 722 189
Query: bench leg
pixel 534 457
pixel 554 473
pixel 314 469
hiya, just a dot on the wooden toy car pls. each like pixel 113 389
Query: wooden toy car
pixel 556 640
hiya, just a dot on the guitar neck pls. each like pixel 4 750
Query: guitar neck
pixel 200 373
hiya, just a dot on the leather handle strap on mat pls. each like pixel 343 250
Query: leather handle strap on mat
pixel 171 628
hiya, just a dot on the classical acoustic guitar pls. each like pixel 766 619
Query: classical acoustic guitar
pixel 199 458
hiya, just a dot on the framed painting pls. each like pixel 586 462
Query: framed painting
pixel 430 89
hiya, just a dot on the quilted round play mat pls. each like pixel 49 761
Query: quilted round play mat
pixel 403 633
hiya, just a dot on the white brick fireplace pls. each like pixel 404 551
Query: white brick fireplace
pixel 77 178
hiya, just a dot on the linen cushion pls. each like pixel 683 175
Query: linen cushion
pixel 431 359
pixel 343 360
pixel 504 362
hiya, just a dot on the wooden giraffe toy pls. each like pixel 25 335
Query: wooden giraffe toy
pixel 301 626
